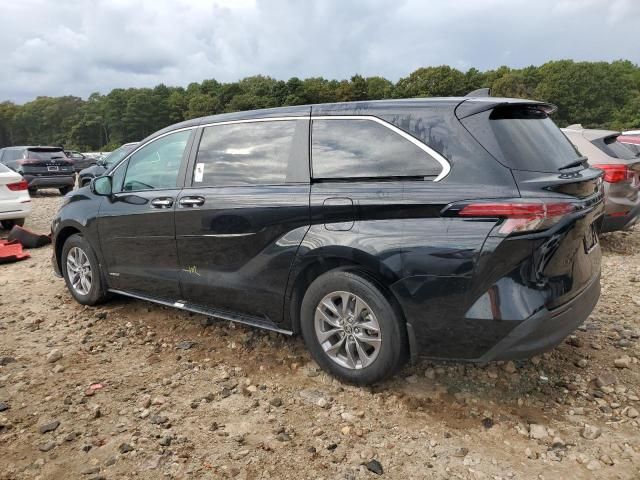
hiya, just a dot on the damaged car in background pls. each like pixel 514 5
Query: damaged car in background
pixel 621 166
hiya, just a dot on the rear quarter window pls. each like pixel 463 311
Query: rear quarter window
pixel 363 148
pixel 522 138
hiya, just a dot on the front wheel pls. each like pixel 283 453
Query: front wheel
pixel 65 190
pixel 352 329
pixel 81 271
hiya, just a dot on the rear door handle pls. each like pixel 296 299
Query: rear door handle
pixel 162 202
pixel 191 201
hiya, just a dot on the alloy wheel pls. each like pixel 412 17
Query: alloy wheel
pixel 347 330
pixel 79 270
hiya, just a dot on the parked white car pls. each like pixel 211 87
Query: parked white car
pixel 15 202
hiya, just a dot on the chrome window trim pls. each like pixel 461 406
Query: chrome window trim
pixel 444 163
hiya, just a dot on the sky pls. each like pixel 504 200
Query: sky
pixel 76 47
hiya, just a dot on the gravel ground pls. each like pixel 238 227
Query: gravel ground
pixel 136 390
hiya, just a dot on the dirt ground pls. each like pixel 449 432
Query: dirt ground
pixel 186 397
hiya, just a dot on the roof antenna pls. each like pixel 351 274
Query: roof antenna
pixel 480 92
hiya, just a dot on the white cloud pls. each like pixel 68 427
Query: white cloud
pixel 77 47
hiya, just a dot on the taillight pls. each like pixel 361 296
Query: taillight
pixel 21 185
pixel 519 216
pixel 615 173
pixel 26 161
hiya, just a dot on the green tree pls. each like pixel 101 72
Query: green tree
pixel 440 81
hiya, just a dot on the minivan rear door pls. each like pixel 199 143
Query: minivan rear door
pixel 242 215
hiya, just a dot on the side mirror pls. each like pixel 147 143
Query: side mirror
pixel 102 186
pixel 100 162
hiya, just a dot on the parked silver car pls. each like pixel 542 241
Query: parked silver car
pixel 621 174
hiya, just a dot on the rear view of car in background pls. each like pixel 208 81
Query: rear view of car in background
pixel 622 173
pixel 102 165
pixel 41 167
pixel 80 160
pixel 15 202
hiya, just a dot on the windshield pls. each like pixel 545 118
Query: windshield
pixel 522 138
pixel 118 154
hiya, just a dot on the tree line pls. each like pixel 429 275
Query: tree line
pixel 596 94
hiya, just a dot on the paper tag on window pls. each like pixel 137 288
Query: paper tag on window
pixel 197 177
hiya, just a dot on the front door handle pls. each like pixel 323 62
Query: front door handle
pixel 191 201
pixel 162 202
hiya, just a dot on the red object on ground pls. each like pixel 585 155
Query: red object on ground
pixel 11 252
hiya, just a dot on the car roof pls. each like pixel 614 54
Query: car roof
pixel 590 133
pixel 16 147
pixel 471 105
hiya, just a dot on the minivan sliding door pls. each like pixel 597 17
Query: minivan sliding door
pixel 242 215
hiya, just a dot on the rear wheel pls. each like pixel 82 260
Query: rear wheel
pixel 65 190
pixel 352 330
pixel 9 224
pixel 81 271
pixel 32 190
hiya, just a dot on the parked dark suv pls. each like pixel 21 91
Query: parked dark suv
pixel 41 167
pixel 463 228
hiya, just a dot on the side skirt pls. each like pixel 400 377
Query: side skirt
pixel 222 315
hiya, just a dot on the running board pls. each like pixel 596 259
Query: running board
pixel 259 322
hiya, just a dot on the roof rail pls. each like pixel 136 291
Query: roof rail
pixel 480 92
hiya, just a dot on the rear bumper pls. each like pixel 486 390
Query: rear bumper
pixel 545 329
pixel 50 182
pixel 14 209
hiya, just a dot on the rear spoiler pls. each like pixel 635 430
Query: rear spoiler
pixel 471 107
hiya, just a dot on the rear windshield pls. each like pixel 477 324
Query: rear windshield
pixel 612 147
pixel 45 153
pixel 522 138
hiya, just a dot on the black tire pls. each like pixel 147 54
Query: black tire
pixel 32 191
pixel 65 190
pixel 97 293
pixel 9 224
pixel 394 347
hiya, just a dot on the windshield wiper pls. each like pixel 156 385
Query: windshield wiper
pixel 575 163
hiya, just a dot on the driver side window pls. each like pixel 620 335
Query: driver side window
pixel 156 165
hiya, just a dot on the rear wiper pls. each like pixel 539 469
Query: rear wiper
pixel 576 163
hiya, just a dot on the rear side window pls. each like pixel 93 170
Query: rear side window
pixel 253 153
pixel 522 138
pixel 612 147
pixel 46 153
pixel 363 148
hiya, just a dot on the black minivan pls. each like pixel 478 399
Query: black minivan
pixel 458 228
